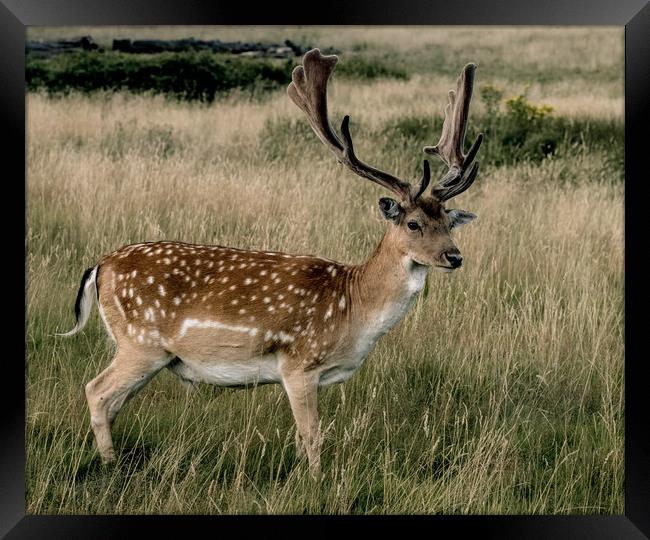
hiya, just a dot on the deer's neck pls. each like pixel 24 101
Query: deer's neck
pixel 388 282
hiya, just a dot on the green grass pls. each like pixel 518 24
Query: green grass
pixel 368 68
pixel 500 392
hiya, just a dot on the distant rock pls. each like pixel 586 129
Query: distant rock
pixel 51 48
pixel 288 49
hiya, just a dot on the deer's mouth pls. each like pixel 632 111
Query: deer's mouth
pixel 445 269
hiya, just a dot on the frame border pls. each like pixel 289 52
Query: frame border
pixel 15 15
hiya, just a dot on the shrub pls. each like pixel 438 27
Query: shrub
pixel 189 75
pixel 491 96
pixel 519 131
pixel 515 130
pixel 182 75
pixel 525 113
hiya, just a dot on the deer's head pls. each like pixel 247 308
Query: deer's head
pixel 420 222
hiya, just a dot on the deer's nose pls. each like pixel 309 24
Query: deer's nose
pixel 454 258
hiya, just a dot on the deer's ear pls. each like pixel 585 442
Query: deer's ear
pixel 390 208
pixel 459 217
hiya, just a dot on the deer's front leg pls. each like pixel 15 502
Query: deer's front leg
pixel 302 390
pixel 300 447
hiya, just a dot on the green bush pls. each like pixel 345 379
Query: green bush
pixel 491 96
pixel 185 75
pixel 189 76
pixel 525 113
pixel 523 131
pixel 509 138
pixel 515 130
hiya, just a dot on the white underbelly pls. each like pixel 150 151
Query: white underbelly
pixel 257 370
pixel 338 374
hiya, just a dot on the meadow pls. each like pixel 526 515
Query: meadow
pixel 502 390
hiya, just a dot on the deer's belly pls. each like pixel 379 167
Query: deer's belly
pixel 256 370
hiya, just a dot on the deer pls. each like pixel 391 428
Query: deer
pixel 239 318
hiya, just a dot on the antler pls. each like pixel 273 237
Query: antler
pixel 450 145
pixel 308 90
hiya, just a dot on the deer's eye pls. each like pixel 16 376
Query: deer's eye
pixel 413 225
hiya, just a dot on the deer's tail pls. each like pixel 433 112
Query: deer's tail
pixel 84 302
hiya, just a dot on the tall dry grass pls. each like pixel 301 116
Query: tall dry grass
pixel 500 392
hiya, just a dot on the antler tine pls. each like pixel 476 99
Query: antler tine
pixel 426 178
pixel 450 146
pixel 308 90
pixel 447 192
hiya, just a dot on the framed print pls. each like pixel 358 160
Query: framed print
pixel 280 269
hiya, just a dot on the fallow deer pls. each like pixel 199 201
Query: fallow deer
pixel 234 317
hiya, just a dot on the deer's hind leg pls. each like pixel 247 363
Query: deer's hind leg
pixel 131 368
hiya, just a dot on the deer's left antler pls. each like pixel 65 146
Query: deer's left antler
pixel 449 149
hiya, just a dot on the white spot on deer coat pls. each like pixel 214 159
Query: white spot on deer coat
pixel 119 306
pixel 210 324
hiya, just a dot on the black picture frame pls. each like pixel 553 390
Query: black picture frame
pixel 16 15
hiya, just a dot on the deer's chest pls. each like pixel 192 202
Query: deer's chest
pixel 363 339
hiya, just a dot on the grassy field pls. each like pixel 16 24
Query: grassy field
pixel 501 391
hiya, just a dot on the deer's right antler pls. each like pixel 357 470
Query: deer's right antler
pixel 308 90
